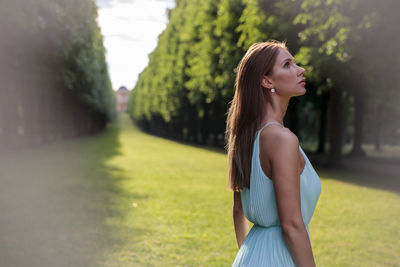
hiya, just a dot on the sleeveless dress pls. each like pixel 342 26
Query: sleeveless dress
pixel 264 245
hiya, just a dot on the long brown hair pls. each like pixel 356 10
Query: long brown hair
pixel 247 109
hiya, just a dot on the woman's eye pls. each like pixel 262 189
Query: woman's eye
pixel 286 65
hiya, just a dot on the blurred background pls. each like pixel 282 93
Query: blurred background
pixel 112 120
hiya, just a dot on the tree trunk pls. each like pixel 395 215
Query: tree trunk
pixel 359 100
pixel 192 125
pixel 323 122
pixel 336 125
pixel 378 128
pixel 205 123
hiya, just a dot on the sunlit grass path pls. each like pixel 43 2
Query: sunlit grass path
pixel 177 211
pixel 126 198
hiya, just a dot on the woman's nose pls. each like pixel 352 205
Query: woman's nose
pixel 301 70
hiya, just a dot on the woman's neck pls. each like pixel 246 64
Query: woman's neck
pixel 275 110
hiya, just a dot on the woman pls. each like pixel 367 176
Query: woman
pixel 274 183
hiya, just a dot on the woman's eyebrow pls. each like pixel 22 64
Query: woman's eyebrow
pixel 288 59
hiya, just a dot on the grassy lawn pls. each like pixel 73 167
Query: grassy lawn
pixel 177 210
pixel 126 198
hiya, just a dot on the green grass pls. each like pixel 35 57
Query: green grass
pixel 355 225
pixel 148 201
pixel 182 211
pixel 179 212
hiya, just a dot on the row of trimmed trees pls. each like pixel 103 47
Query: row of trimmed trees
pixel 348 48
pixel 54 77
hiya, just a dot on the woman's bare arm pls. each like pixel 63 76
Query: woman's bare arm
pixel 285 163
pixel 240 222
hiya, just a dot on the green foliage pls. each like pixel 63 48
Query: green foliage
pixel 84 69
pixel 158 91
pixel 202 59
pixel 355 36
pixel 70 38
pixel 252 22
pixel 226 49
pixel 189 81
pixel 55 78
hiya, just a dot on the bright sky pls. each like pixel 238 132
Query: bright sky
pixel 130 29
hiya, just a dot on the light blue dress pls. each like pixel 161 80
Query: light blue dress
pixel 264 245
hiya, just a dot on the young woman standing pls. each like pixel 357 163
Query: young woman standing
pixel 274 183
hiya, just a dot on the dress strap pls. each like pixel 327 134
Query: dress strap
pixel 268 123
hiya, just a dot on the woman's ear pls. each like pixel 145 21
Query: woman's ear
pixel 266 82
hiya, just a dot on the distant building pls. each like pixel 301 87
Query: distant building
pixel 122 99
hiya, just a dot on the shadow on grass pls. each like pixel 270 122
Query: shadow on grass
pixel 388 183
pixel 115 205
pixel 63 204
pixel 369 172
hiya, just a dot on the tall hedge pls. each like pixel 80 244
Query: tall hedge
pixel 55 82
pixel 185 90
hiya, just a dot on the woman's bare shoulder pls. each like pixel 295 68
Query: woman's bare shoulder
pixel 277 136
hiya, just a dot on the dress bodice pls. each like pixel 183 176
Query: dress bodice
pixel 259 201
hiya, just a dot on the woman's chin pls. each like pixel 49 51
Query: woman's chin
pixel 301 92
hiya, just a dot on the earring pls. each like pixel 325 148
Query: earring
pixel 272 90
